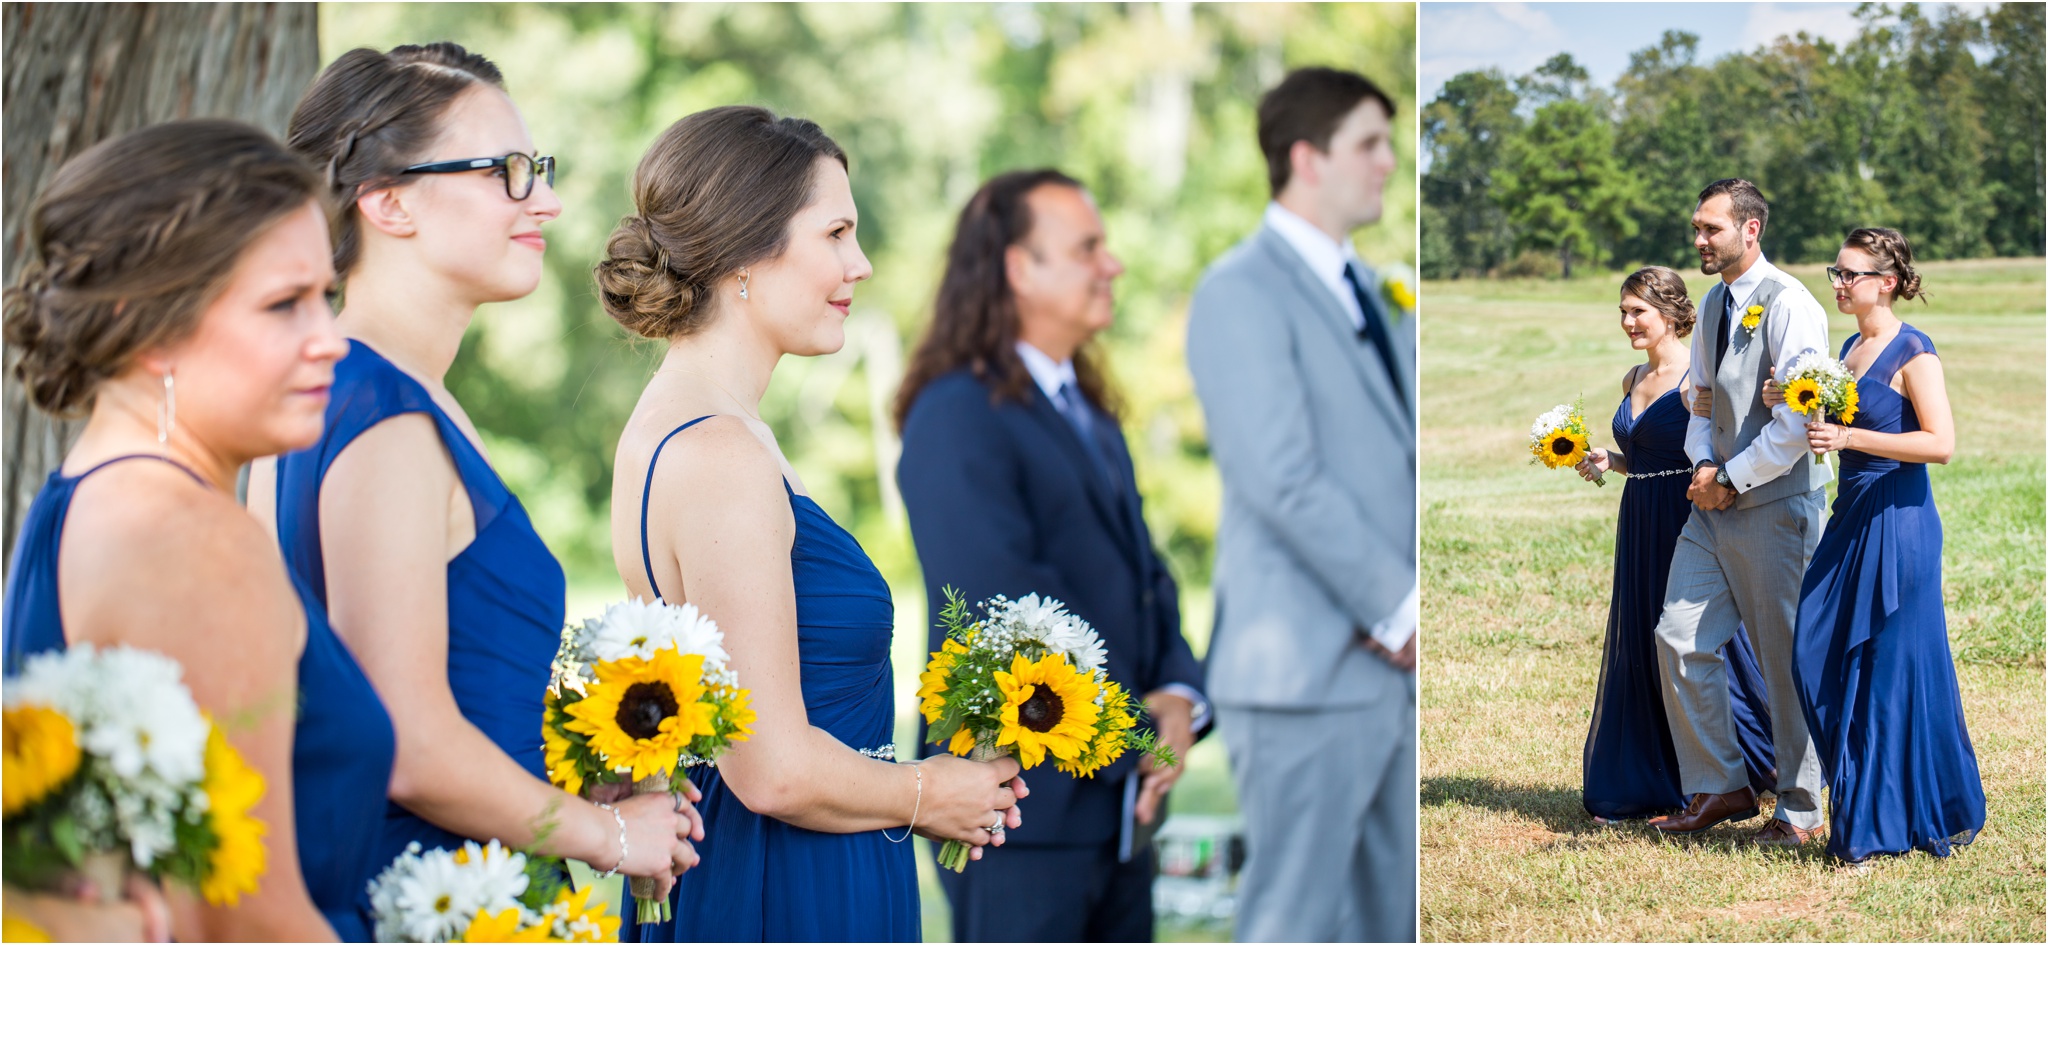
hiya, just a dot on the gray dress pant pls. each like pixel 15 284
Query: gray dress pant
pixel 1739 566
pixel 1329 802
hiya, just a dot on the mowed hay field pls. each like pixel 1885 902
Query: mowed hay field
pixel 1516 564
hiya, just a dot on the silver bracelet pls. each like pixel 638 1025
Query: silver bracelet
pixel 622 840
pixel 914 808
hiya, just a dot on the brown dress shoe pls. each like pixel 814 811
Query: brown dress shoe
pixel 1705 811
pixel 1778 832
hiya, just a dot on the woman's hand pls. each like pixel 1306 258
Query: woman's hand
pixel 659 827
pixel 1702 402
pixel 971 802
pixel 1596 462
pixel 81 915
pixel 1822 437
pixel 1774 396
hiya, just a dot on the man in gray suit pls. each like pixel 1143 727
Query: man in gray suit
pixel 1305 361
pixel 1757 497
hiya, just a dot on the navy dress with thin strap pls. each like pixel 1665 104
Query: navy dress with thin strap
pixel 1630 768
pixel 1871 658
pixel 765 880
pixel 506 592
pixel 342 745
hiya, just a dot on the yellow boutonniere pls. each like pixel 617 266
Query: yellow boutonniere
pixel 1752 318
pixel 1398 288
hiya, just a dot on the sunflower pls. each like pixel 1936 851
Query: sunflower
pixel 1116 722
pixel 1047 707
pixel 15 929
pixel 1849 403
pixel 1803 395
pixel 931 684
pixel 585 921
pixel 641 714
pixel 40 753
pixel 962 742
pixel 232 789
pixel 563 771
pixel 1562 448
pixel 503 927
pixel 739 714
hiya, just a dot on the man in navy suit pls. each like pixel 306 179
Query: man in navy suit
pixel 1017 480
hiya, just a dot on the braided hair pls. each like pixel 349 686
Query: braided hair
pixel 131 242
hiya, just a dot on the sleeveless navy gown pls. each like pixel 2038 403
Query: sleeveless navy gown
pixel 342 744
pixel 506 592
pixel 1631 769
pixel 763 880
pixel 1872 666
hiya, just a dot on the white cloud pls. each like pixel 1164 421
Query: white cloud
pixel 1830 21
pixel 1459 37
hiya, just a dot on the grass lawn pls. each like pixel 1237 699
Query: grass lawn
pixel 1516 562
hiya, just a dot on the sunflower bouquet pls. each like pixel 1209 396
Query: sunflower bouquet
pixel 640 693
pixel 1819 387
pixel 110 768
pixel 1026 680
pixel 484 894
pixel 1559 439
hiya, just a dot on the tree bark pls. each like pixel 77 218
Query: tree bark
pixel 77 74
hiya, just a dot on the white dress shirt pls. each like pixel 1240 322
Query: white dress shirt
pixel 1326 258
pixel 1794 326
pixel 1051 376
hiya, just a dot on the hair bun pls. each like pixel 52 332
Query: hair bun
pixel 639 287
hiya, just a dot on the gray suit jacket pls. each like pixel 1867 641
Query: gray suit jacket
pixel 1317 452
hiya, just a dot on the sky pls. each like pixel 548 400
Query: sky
pixel 1517 38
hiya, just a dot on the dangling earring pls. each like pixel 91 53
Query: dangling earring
pixel 743 284
pixel 167 412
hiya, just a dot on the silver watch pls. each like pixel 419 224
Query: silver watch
pixel 1721 477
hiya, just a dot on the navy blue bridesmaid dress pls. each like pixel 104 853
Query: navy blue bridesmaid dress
pixel 342 745
pixel 1872 661
pixel 763 880
pixel 506 592
pixel 1631 769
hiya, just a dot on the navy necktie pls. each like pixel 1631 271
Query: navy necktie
pixel 1074 408
pixel 1375 331
pixel 1727 320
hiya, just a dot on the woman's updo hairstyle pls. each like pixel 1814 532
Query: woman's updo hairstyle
pixel 1663 290
pixel 130 243
pixel 1888 247
pixel 714 194
pixel 372 114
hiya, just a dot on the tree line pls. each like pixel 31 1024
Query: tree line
pixel 1930 125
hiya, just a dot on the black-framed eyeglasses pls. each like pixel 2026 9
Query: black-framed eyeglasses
pixel 520 170
pixel 1841 277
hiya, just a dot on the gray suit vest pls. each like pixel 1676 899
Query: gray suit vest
pixel 1739 412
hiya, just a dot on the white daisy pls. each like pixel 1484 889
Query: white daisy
pixel 436 900
pixel 498 874
pixel 631 628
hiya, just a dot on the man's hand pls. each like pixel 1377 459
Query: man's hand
pixel 1404 659
pixel 1174 719
pixel 1707 494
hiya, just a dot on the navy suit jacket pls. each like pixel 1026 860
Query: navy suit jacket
pixel 1004 500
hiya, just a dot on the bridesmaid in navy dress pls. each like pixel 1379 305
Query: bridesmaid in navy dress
pixel 1630 768
pixel 424 561
pixel 742 252
pixel 1871 656
pixel 221 347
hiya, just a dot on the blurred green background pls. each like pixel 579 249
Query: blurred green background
pixel 1151 105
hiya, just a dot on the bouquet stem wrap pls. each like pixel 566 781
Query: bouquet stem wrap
pixel 108 871
pixel 651 903
pixel 953 855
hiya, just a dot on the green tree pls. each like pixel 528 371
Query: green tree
pixel 1563 188
pixel 1465 131
pixel 2011 84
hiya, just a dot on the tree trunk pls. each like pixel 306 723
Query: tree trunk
pixel 77 74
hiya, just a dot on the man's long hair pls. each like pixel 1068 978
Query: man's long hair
pixel 974 322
